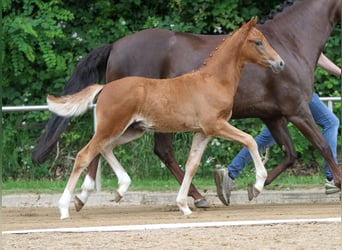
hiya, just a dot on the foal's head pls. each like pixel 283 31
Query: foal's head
pixel 257 49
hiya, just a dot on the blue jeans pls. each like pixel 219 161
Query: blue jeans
pixel 322 116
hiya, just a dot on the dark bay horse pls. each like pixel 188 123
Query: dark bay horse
pixel 298 32
pixel 200 102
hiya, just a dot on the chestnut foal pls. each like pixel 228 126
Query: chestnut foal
pixel 200 101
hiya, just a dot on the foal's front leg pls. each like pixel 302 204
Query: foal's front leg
pixel 199 143
pixel 164 150
pixel 229 132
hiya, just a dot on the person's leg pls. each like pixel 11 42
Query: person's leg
pixel 264 140
pixel 329 123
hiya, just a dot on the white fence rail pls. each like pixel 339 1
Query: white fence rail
pixel 44 108
pixel 328 100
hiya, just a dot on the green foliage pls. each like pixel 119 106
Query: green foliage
pixel 44 40
pixel 32 30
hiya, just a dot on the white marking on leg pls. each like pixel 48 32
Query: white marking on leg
pixel 261 173
pixel 83 158
pixel 181 199
pixel 64 203
pixel 199 143
pixel 87 187
pixel 124 181
pixel 123 178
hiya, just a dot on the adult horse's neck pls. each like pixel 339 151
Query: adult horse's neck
pixel 303 28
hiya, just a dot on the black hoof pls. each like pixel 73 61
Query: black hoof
pixel 252 192
pixel 202 203
pixel 78 204
pixel 250 189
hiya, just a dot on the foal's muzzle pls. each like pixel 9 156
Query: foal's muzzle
pixel 277 64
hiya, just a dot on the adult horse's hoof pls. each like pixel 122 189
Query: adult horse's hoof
pixel 252 192
pixel 78 204
pixel 201 203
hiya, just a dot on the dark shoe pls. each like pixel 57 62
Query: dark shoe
pixel 330 187
pixel 224 184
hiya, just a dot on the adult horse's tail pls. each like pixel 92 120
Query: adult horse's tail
pixel 91 69
pixel 76 104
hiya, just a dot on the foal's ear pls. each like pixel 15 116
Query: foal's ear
pixel 253 21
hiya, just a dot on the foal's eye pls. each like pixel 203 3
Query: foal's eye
pixel 258 42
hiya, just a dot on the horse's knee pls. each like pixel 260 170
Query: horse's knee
pixel 249 142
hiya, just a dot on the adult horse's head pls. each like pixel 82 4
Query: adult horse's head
pixel 258 49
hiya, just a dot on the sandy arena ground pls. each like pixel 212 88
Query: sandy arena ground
pixel 314 235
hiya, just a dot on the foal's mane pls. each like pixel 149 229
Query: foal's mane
pixel 276 11
pixel 218 48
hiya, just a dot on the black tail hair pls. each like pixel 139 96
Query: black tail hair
pixel 90 70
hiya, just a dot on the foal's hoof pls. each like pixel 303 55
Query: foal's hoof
pixel 252 192
pixel 201 203
pixel 78 204
pixel 117 196
pixel 64 213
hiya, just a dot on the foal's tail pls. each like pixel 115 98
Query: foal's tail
pixel 76 104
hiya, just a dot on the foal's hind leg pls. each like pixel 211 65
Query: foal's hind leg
pixel 84 157
pixel 88 184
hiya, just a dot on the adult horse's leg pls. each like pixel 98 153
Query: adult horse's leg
pixel 199 143
pixel 280 132
pixel 163 148
pixel 306 124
